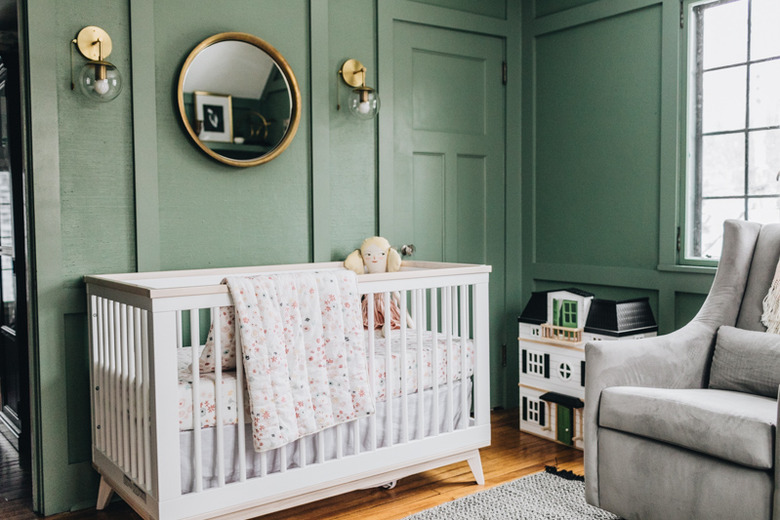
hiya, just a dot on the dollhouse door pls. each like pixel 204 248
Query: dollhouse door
pixel 445 192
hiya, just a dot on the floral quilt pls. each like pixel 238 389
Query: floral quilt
pixel 303 353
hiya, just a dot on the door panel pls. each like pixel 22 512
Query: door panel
pixel 448 163
pixel 427 211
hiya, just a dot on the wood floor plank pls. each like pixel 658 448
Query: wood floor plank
pixel 512 455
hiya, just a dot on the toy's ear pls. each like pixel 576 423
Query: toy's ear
pixel 393 261
pixel 354 262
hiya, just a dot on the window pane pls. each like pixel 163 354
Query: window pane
pixel 764 210
pixel 764 162
pixel 725 34
pixel 765 94
pixel 6 217
pixel 713 213
pixel 723 165
pixel 8 292
pixel 723 99
pixel 765 21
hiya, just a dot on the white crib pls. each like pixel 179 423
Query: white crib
pixel 431 377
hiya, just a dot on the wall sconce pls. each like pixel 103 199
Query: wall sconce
pixel 98 79
pixel 363 101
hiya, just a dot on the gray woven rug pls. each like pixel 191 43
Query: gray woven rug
pixel 541 496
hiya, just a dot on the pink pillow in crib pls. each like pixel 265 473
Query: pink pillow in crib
pixel 227 343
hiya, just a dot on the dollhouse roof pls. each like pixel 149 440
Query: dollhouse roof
pixel 535 311
pixel 608 317
pixel 621 318
pixel 565 400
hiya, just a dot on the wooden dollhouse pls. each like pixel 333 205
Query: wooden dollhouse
pixel 552 332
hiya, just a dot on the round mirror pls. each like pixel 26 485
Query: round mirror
pixel 238 99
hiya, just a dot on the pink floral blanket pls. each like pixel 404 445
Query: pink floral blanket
pixel 303 353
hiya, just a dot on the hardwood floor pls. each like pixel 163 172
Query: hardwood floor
pixel 511 455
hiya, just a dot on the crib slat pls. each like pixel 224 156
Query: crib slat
pixel 356 436
pixel 320 447
pixel 123 385
pixel 196 437
pixel 339 442
pixel 216 325
pixel 179 331
pixel 464 334
pixel 138 390
pixel 370 325
pixel 435 359
pixel 481 355
pixel 116 420
pixel 240 404
pixel 389 377
pixel 449 319
pixel 94 310
pixel 301 453
pixel 108 387
pixel 147 427
pixel 100 391
pixel 419 298
pixel 403 367
pixel 130 389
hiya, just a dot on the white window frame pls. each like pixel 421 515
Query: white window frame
pixel 690 176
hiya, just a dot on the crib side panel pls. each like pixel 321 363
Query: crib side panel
pixel 121 395
pixel 428 372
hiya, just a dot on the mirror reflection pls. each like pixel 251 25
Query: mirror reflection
pixel 239 99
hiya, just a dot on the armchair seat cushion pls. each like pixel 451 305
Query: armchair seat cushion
pixel 734 426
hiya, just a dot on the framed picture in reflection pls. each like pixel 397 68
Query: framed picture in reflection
pixel 214 115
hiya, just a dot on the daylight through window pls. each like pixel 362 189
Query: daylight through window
pixel 733 151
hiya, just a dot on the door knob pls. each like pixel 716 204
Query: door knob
pixel 407 250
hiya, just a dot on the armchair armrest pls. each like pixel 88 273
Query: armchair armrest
pixel 680 359
pixel 776 494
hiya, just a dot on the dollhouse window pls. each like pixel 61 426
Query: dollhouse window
pixel 533 411
pixel 569 313
pixel 733 121
pixel 536 363
pixel 565 371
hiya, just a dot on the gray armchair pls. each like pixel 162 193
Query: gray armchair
pixel 676 426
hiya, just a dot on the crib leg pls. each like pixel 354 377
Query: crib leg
pixel 475 464
pixel 105 492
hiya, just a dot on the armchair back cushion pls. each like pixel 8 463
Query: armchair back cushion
pixel 746 361
pixel 762 270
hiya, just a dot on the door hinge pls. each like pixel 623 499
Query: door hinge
pixel 503 355
pixel 682 15
pixel 503 72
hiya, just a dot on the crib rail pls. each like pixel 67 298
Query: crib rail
pixel 429 373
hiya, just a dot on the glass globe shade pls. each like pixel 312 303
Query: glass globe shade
pixel 100 81
pixel 363 103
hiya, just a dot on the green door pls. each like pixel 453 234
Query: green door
pixel 445 193
pixel 564 424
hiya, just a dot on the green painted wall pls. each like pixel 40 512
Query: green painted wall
pixel 591 167
pixel 599 144
pixel 118 187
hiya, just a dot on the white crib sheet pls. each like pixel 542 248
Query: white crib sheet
pixel 230 399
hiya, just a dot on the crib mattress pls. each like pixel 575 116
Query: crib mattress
pixel 207 385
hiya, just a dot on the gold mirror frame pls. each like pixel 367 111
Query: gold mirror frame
pixel 292 83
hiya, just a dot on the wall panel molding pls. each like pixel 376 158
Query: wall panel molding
pixel 664 278
pixel 586 14
pixel 147 200
pixel 320 130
